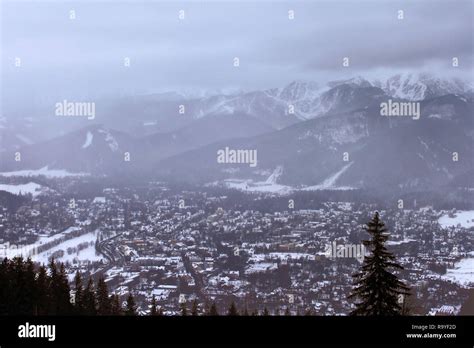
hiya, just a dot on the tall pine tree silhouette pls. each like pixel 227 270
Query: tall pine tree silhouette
pixel 59 286
pixel 43 284
pixel 153 309
pixel 116 306
pixel 63 296
pixel 103 301
pixel 213 310
pixel 232 310
pixel 30 292
pixel 195 309
pixel 89 300
pixel 131 308
pixel 184 309
pixel 79 294
pixel 376 288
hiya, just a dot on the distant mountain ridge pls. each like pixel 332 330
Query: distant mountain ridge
pixel 382 152
pixel 306 146
pixel 276 107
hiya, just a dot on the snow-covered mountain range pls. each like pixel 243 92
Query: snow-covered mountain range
pixel 311 99
pixel 301 132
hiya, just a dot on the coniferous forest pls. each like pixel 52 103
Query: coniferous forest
pixel 26 289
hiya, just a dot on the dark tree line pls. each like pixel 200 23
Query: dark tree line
pixel 26 289
pixel 29 290
pixel 212 310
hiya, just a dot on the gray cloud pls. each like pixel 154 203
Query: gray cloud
pixel 85 56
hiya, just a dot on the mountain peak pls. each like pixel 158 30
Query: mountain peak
pixel 422 85
pixel 357 81
pixel 299 90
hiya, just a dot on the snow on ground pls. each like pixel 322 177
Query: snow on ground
pixel 463 271
pixel 400 242
pixel 88 253
pixel 31 187
pixel 260 186
pixel 270 185
pixel 261 267
pixel 291 256
pixel 110 140
pixel 49 173
pixel 26 250
pixel 88 141
pixel 330 183
pixel 99 200
pixel 272 179
pixel 463 218
pixel 282 256
pixel 85 241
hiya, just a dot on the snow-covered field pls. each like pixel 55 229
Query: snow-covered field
pixel 463 218
pixel 85 242
pixel 261 186
pixel 271 186
pixel 330 182
pixel 49 173
pixel 88 140
pixel 399 242
pixel 88 253
pixel 31 187
pixel 463 271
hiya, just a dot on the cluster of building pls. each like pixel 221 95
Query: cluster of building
pixel 188 248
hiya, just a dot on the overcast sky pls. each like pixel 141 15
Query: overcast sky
pixel 85 56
